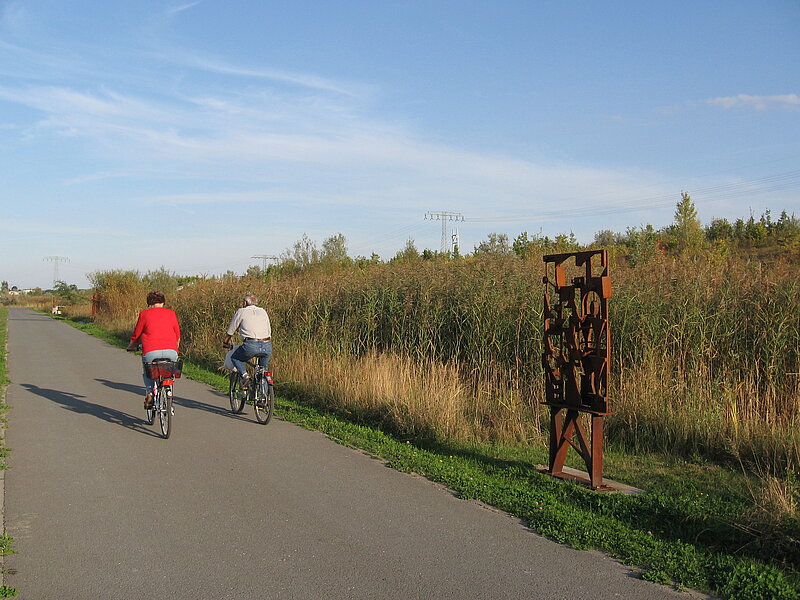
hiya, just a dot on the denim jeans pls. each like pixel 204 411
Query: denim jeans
pixel 248 350
pixel 150 357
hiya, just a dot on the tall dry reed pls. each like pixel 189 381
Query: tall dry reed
pixel 705 351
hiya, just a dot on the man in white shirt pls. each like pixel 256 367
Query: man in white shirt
pixel 252 322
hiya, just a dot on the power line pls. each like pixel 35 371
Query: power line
pixel 444 216
pixel 265 258
pixel 729 191
pixel 55 260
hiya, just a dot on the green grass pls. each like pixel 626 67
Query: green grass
pixel 5 545
pixel 5 541
pixel 3 351
pixel 684 531
pixel 4 381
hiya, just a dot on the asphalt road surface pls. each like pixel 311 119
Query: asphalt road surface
pixel 103 508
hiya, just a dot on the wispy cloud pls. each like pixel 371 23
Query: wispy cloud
pixel 130 174
pixel 307 151
pixel 180 8
pixel 780 101
pixel 303 80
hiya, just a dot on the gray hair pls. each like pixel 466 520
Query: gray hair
pixel 250 299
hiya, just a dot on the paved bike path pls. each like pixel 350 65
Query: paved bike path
pixel 102 507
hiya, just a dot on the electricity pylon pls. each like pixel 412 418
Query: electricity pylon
pixel 56 260
pixel 265 258
pixel 444 216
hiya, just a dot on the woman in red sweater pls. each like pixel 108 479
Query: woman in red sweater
pixel 160 334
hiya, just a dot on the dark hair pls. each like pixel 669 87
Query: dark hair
pixel 155 298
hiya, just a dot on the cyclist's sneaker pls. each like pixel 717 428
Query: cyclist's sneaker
pixel 245 381
pixel 148 401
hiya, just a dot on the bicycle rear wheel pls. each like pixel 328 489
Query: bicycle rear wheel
pixel 264 402
pixel 236 394
pixel 165 411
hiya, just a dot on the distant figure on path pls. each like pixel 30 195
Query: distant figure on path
pixel 160 335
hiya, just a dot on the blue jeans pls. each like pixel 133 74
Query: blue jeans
pixel 248 350
pixel 150 357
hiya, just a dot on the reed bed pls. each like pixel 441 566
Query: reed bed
pixel 705 351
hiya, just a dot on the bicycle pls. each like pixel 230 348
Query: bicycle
pixel 260 392
pixel 164 372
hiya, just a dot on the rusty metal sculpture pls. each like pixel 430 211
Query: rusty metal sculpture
pixel 97 302
pixel 576 359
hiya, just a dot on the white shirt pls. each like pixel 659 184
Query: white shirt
pixel 252 322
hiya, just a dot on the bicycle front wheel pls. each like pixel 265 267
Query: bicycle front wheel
pixel 236 394
pixel 264 402
pixel 165 411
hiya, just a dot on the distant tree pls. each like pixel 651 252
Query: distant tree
pixel 409 252
pixel 117 281
pixel 161 279
pixel 303 253
pixel 688 230
pixel 522 246
pixel 256 272
pixel 787 231
pixel 525 246
pixel 495 244
pixel 4 287
pixel 334 250
pixel 738 230
pixel 68 293
pixel 363 261
pixel 606 237
pixel 187 279
pixel 719 229
pixel 566 243
pixel 787 224
pixel 643 245
pixel 429 254
pixel 755 231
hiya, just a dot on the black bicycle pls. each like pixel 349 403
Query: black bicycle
pixel 259 391
pixel 163 372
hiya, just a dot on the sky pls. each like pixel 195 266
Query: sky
pixel 195 135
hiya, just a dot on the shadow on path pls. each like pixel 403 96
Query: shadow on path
pixel 185 402
pixel 74 403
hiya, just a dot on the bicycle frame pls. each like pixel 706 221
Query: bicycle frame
pixel 163 374
pixel 260 392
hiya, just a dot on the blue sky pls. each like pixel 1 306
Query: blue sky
pixel 195 135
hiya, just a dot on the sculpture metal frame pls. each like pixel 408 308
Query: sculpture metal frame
pixel 576 359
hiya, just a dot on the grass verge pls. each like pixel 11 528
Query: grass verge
pixel 685 531
pixel 5 541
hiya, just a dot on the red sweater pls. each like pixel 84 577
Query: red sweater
pixel 158 327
